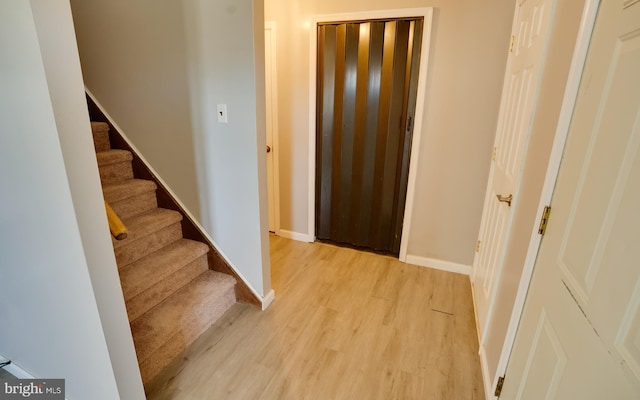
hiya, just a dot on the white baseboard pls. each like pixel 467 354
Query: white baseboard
pixel 268 299
pixel 438 264
pixel 301 237
pixel 484 368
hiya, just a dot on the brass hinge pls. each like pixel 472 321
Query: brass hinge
pixel 478 246
pixel 544 220
pixel 494 155
pixel 513 39
pixel 499 386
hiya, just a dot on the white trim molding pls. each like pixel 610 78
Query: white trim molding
pixel 301 237
pixel 427 14
pixel 268 299
pixel 438 264
pixel 484 366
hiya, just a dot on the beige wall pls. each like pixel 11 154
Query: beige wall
pixel 134 61
pixel 468 56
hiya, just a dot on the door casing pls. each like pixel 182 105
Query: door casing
pixel 427 14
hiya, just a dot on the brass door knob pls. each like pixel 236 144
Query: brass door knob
pixel 268 149
pixel 506 199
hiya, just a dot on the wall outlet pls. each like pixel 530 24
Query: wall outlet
pixel 222 114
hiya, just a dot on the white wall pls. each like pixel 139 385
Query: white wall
pixel 54 26
pixel 134 61
pixel 159 69
pixel 226 55
pixel 469 49
pixel 51 320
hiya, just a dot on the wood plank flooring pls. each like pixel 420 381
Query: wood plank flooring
pixel 345 324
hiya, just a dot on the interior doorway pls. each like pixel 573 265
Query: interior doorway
pixel 367 80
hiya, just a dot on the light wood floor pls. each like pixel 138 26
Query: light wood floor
pixel 345 325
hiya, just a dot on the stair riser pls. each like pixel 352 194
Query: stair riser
pixel 154 362
pixel 169 284
pixel 133 251
pixel 135 205
pixel 101 141
pixel 116 172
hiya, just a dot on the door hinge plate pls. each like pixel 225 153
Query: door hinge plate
pixel 544 220
pixel 494 155
pixel 478 246
pixel 513 39
pixel 499 386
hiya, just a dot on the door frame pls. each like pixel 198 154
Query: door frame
pixel 587 23
pixel 270 27
pixel 427 14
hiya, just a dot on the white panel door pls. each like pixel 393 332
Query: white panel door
pixel 579 337
pixel 532 24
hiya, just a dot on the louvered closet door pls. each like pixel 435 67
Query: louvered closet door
pixel 366 94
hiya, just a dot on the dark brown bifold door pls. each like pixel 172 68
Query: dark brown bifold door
pixel 366 96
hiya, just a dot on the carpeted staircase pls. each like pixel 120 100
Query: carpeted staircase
pixel 170 293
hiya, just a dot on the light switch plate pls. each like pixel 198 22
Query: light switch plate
pixel 222 114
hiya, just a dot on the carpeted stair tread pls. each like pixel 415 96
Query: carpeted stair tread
pixel 130 197
pixel 100 132
pixel 153 278
pixel 146 223
pixel 206 298
pixel 97 126
pixel 144 273
pixel 157 293
pixel 114 166
pixel 170 293
pixel 135 205
pixel 180 340
pixel 117 191
pixel 113 156
pixel 146 245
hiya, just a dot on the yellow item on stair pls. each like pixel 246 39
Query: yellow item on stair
pixel 117 228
